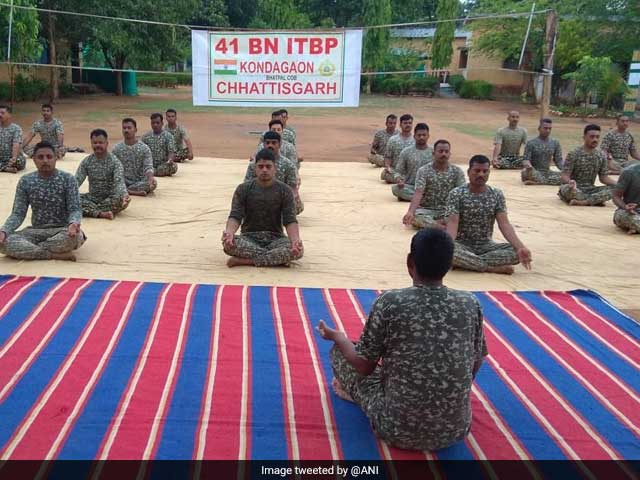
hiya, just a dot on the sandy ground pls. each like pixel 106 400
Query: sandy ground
pixel 351 226
pixel 352 232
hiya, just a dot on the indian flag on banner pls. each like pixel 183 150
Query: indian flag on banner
pixel 225 67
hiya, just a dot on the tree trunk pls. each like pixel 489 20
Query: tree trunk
pixel 119 89
pixel 54 90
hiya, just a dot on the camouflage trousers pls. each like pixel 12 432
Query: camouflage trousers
pixel 616 165
pixel 627 221
pixel 92 207
pixel 21 162
pixel 376 159
pixel 540 177
pixel 388 176
pixel 405 193
pixel 165 169
pixel 425 218
pixel 509 162
pixel 266 249
pixel 181 154
pixel 595 195
pixel 139 187
pixel 478 256
pixel 39 243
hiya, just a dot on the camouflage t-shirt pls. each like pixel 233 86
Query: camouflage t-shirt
pixel 395 145
pixel 48 131
pixel 510 140
pixel 263 209
pixel 429 339
pixel 136 161
pixel 410 160
pixel 477 211
pixel 629 184
pixel 289 134
pixel 9 136
pixel 540 153
pixel 380 140
pixel 619 145
pixel 161 145
pixel 54 201
pixel 179 135
pixel 286 172
pixel 106 176
pixel 287 150
pixel 437 185
pixel 584 167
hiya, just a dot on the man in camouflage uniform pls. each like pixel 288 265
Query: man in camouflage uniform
pixel 11 158
pixel 380 140
pixel 50 130
pixel 580 170
pixel 55 213
pixel 288 132
pixel 626 196
pixel 507 143
pixel 396 144
pixel 409 161
pixel 472 210
pixel 618 144
pixel 262 205
pixel 434 181
pixel 287 149
pixel 107 190
pixel 538 155
pixel 136 160
pixel 162 147
pixel 413 368
pixel 184 149
pixel 286 171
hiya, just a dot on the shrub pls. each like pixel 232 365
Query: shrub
pixel 158 81
pixel 478 89
pixel 66 90
pixel 424 84
pixel 456 82
pixel 394 86
pixel 25 89
pixel 184 78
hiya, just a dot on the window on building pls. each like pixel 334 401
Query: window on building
pixel 464 58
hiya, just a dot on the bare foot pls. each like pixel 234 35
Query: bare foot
pixel 10 170
pixel 138 194
pixel 631 231
pixel 237 262
pixel 504 269
pixel 339 391
pixel 578 203
pixel 107 215
pixel 70 257
pixel 529 182
pixel 601 204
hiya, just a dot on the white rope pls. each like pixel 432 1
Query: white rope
pixel 204 27
pixel 163 72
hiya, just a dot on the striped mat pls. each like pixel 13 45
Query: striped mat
pixel 93 369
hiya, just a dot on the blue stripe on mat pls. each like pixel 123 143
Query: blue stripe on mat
pixel 601 306
pixel 607 425
pixel 594 347
pixel 86 436
pixel 268 436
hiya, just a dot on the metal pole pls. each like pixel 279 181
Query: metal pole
pixel 551 37
pixel 10 28
pixel 526 36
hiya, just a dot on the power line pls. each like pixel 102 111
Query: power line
pixel 205 27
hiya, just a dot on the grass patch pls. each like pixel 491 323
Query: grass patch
pixel 471 129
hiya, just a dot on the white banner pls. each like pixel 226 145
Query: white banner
pixel 258 69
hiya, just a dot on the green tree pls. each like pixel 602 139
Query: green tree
pixel 240 12
pixel 25 30
pixel 597 77
pixel 210 13
pixel 279 14
pixel 341 13
pixel 376 41
pixel 407 11
pixel 442 49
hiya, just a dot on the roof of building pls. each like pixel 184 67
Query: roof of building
pixel 421 32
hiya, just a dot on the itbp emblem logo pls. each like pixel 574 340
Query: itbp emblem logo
pixel 326 68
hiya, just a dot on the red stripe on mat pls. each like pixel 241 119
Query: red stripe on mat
pixel 131 432
pixel 570 426
pixel 62 396
pixel 10 292
pixel 316 439
pixel 597 324
pixel 21 349
pixel 610 390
